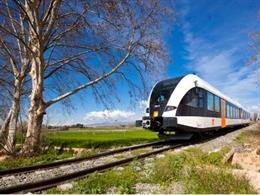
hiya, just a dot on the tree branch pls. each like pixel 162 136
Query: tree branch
pixel 50 15
pixel 12 59
pixel 100 78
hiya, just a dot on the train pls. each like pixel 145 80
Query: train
pixel 190 104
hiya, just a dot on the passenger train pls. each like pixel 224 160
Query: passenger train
pixel 190 104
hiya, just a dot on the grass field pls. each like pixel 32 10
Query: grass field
pixel 96 138
pixel 101 138
pixel 192 169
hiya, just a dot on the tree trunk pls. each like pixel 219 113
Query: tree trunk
pixel 15 109
pixel 4 128
pixel 37 105
pixel 35 115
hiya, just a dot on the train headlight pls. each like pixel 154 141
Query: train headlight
pixel 170 108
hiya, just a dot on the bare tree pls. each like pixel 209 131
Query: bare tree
pixel 16 57
pixel 5 93
pixel 255 45
pixel 255 49
pixel 93 44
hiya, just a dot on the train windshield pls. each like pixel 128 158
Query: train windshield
pixel 161 94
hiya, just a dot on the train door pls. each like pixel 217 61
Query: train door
pixel 223 113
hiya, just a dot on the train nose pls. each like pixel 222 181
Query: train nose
pixel 158 123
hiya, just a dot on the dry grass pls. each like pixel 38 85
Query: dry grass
pixel 251 136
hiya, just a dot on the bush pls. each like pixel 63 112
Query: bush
pixel 215 181
pixel 168 169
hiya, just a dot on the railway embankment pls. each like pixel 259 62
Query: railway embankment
pixel 241 153
pixel 227 164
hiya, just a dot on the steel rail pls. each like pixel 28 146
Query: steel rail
pixel 45 184
pixel 74 160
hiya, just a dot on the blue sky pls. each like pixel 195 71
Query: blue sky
pixel 209 38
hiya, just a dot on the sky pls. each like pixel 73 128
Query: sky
pixel 209 38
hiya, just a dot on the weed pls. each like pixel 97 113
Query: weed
pixel 167 169
pixel 100 183
pixel 249 136
pixel 48 156
pixel 191 168
pixel 242 137
pixel 215 181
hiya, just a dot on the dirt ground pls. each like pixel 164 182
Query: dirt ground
pixel 244 153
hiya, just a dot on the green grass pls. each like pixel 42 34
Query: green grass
pixel 219 181
pixel 96 138
pixel 197 171
pixel 249 135
pixel 194 168
pixel 100 139
pixel 44 157
pixel 97 183
pixel 49 156
pixel 242 137
pixel 116 128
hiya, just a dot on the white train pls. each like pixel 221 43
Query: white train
pixel 191 104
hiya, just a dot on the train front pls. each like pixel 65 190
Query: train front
pixel 157 104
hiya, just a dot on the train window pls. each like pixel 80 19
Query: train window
pixel 200 98
pixel 210 101
pixel 191 99
pixel 192 104
pixel 217 104
pixel 228 111
pixel 161 99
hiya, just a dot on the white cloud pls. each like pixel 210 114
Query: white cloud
pixel 255 108
pixel 116 116
pixel 211 66
pixel 110 116
pixel 142 104
pixel 220 63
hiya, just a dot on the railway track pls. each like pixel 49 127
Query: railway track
pixel 54 181
pixel 57 180
pixel 68 161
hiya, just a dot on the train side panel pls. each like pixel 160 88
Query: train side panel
pixel 206 123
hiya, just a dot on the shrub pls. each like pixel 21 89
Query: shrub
pixel 99 183
pixel 215 181
pixel 168 169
